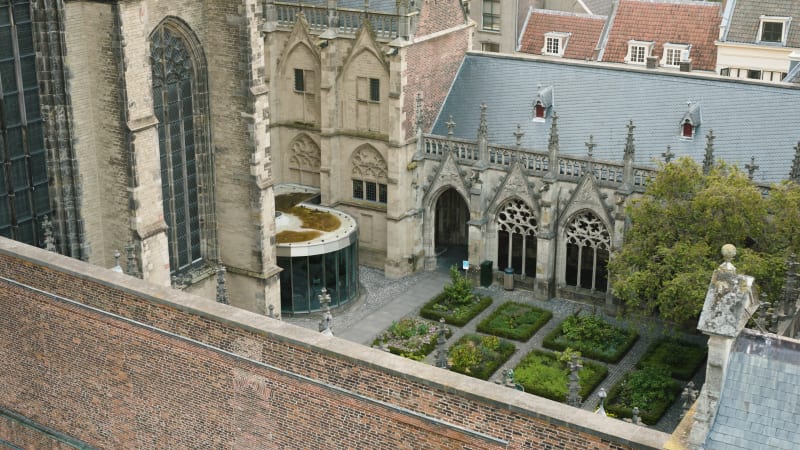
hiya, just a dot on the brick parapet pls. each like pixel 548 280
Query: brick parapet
pixel 316 384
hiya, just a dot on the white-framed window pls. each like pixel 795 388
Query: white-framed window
pixel 773 29
pixel 555 43
pixel 490 47
pixel 638 51
pixel 675 53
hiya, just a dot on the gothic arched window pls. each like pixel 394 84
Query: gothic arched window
pixel 588 245
pixel 305 161
pixel 24 199
pixel 516 238
pixel 369 175
pixel 181 108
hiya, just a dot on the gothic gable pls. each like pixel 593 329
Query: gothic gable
pixel 299 40
pixel 447 175
pixel 365 43
pixel 515 184
pixel 587 196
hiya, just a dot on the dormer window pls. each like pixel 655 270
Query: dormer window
pixel 542 102
pixel 555 43
pixel 773 29
pixel 674 54
pixel 638 51
pixel 691 120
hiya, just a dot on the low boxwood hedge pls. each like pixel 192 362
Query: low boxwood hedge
pixel 454 313
pixel 681 357
pixel 650 388
pixel 479 356
pixel 593 337
pixel 514 320
pixel 542 373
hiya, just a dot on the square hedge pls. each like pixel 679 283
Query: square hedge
pixel 457 313
pixel 681 357
pixel 651 389
pixel 542 373
pixel 479 356
pixel 411 337
pixel 593 337
pixel 514 320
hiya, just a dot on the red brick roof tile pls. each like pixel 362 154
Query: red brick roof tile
pixel 585 32
pixel 676 22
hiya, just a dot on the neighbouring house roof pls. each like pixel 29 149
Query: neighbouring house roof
pixel 760 397
pixel 598 7
pixel 675 22
pixel 746 15
pixel 748 118
pixel 584 32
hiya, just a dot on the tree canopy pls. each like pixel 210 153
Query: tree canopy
pixel 678 227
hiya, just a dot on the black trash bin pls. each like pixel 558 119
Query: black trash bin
pixel 486 273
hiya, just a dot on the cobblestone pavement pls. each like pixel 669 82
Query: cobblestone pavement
pixel 380 292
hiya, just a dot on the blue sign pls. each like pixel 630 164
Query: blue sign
pixel 465 265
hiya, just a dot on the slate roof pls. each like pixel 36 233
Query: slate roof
pixel 384 6
pixel 584 29
pixel 759 405
pixel 745 19
pixel 748 119
pixel 598 7
pixel 665 21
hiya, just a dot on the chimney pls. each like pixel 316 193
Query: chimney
pixel 685 66
pixel 652 62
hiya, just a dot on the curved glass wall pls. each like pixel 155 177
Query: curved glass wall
pixel 303 277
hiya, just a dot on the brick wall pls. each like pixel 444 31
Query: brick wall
pixel 437 15
pixel 119 363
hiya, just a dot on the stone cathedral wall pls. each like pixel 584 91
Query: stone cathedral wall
pixel 89 357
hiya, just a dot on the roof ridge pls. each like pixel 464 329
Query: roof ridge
pixel 699 3
pixel 552 12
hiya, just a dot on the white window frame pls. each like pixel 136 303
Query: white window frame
pixel 560 38
pixel 786 21
pixel 680 48
pixel 648 51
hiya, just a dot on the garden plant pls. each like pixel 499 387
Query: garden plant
pixel 479 356
pixel 411 337
pixel 546 374
pixel 515 321
pixel 650 389
pixel 592 336
pixel 457 304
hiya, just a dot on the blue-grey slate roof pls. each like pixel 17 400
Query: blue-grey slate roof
pixel 746 18
pixel 748 119
pixel 760 404
pixel 384 6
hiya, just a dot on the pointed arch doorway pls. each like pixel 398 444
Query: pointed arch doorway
pixel 450 229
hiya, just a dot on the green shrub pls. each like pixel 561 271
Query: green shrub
pixel 593 337
pixel 546 375
pixel 681 357
pixel 515 321
pixel 456 304
pixel 411 338
pixel 650 389
pixel 479 356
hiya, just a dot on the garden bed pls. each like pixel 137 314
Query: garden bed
pixel 456 304
pixel 411 338
pixel 515 321
pixel 593 337
pixel 680 357
pixel 650 389
pixel 546 375
pixel 479 356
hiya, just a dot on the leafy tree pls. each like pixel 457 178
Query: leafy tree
pixel 679 226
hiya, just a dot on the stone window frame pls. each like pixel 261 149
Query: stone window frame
pixel 515 216
pixel 597 238
pixel 203 252
pixel 369 168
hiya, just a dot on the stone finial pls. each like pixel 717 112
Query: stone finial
pixel 590 146
pixel 552 144
pixel 751 168
pixel 326 323
pixel 574 387
pixel 117 267
pixel 635 416
pixel 668 155
pixel 441 351
pixel 271 312
pixel 222 291
pixel 483 127
pixel 794 174
pixel 708 159
pixel 518 135
pixel 630 149
pixel 418 112
pixel 47 229
pixel 451 125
